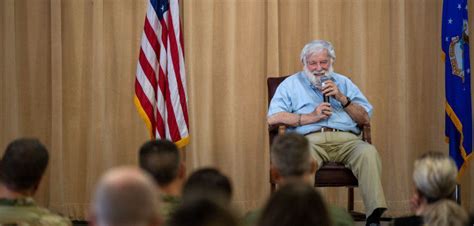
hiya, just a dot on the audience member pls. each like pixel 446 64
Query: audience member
pixel 125 196
pixel 292 162
pixel 434 176
pixel 446 212
pixel 295 204
pixel 161 159
pixel 202 212
pixel 208 183
pixel 291 159
pixel 21 169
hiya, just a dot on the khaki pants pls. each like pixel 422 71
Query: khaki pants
pixel 361 157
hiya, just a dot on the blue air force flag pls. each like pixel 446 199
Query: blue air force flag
pixel 455 44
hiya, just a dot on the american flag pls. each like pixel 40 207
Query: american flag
pixel 160 83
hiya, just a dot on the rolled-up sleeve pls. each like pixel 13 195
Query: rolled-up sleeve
pixel 280 102
pixel 358 97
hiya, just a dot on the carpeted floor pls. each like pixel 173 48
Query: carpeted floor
pixel 79 223
pixel 358 223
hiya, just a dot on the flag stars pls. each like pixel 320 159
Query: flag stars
pixel 468 71
pixel 447 39
pixel 459 6
pixel 162 8
pixel 450 21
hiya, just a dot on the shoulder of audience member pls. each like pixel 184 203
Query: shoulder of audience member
pixel 251 217
pixel 339 216
pixel 49 218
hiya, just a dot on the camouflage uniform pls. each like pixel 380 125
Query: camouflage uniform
pixel 169 204
pixel 25 212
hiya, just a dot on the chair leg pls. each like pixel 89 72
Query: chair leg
pixel 273 187
pixel 350 199
pixel 350 206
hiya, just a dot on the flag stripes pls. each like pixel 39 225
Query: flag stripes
pixel 160 84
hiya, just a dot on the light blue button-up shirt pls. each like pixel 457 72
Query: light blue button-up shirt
pixel 297 95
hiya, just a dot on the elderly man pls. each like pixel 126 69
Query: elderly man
pixel 326 107
pixel 125 196
pixel 21 169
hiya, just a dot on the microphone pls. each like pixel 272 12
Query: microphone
pixel 323 81
pixel 326 98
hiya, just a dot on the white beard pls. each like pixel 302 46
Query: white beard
pixel 315 76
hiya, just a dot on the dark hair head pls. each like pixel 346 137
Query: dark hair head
pixel 202 212
pixel 295 204
pixel 210 183
pixel 23 164
pixel 161 159
pixel 290 154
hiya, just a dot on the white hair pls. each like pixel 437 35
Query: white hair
pixel 316 46
pixel 434 176
pixel 126 196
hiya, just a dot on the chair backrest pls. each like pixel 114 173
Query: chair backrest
pixel 272 85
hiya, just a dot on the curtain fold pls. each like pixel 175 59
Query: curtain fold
pixel 67 70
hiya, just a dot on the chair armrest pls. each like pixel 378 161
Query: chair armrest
pixel 277 128
pixel 366 136
pixel 281 129
pixel 273 128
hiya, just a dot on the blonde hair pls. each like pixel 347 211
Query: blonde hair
pixel 434 176
pixel 435 179
pixel 445 212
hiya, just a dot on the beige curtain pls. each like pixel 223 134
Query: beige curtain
pixel 67 71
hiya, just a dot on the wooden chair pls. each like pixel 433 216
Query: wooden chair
pixel 331 174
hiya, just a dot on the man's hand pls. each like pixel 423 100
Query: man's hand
pixel 416 204
pixel 330 89
pixel 323 111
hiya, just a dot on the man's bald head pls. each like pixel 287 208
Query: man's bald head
pixel 126 196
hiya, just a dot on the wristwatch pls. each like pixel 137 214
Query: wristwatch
pixel 348 102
